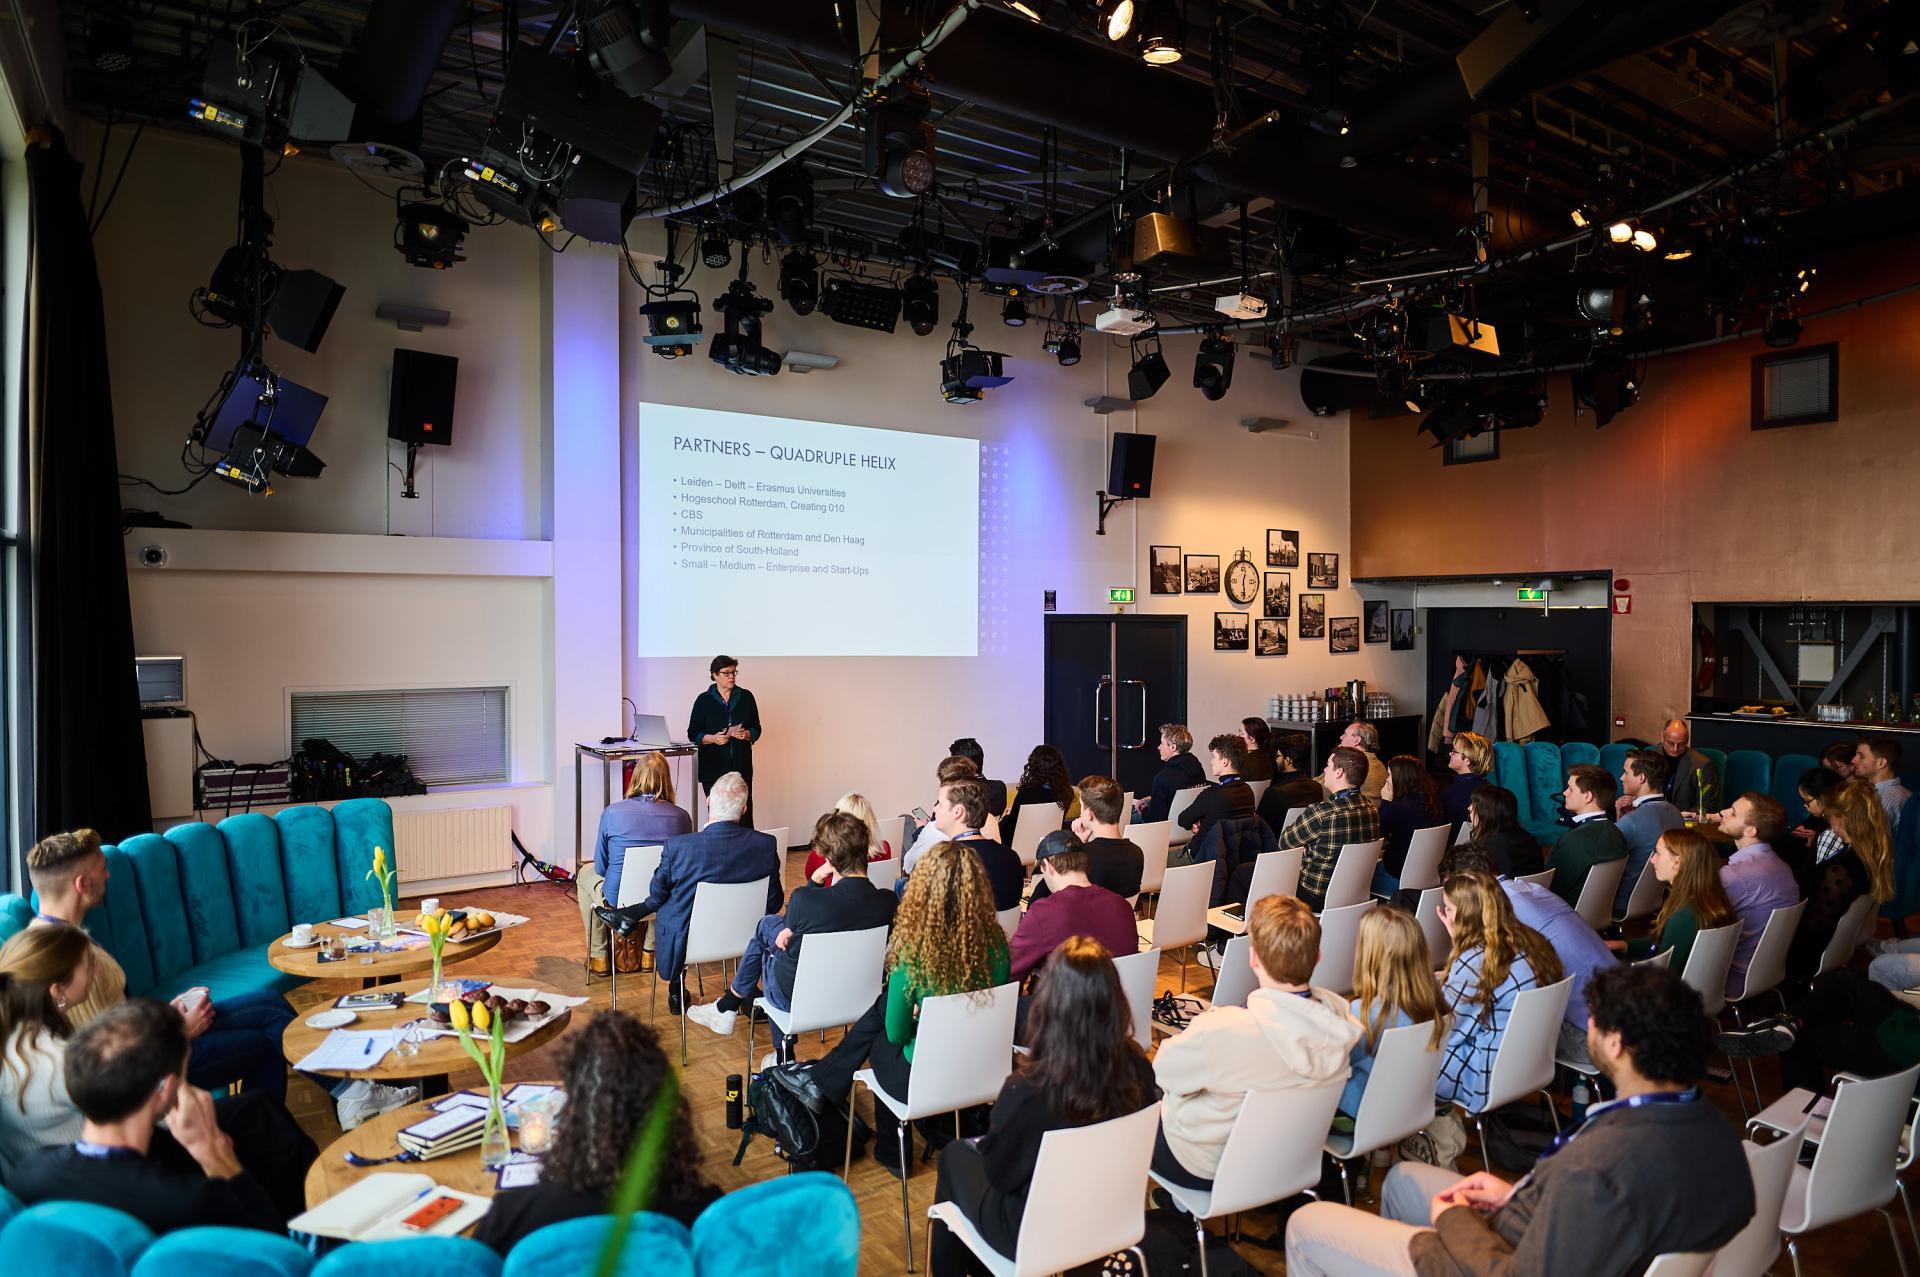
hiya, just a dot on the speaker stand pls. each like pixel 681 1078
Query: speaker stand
pixel 408 492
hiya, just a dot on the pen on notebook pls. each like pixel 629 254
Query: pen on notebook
pixel 368 1049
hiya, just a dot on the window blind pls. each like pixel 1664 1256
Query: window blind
pixel 1798 388
pixel 450 735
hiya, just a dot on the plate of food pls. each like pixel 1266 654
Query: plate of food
pixel 468 924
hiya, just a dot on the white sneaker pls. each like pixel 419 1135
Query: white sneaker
pixel 708 1014
pixel 357 1106
pixel 767 1061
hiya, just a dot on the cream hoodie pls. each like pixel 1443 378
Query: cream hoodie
pixel 1278 1041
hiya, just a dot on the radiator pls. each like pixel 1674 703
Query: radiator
pixel 455 843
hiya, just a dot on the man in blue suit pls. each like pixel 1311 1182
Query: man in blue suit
pixel 725 851
pixel 1643 814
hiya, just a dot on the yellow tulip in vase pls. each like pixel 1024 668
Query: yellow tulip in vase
pixel 381 920
pixel 494 1148
pixel 436 925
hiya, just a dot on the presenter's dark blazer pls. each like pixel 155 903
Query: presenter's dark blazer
pixel 725 851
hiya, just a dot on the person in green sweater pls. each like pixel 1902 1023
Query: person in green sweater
pixel 1593 840
pixel 1684 860
pixel 946 939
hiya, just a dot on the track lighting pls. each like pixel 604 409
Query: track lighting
pixel 1120 21
pixel 1213 366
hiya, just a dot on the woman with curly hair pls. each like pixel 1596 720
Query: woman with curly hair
pixel 1495 957
pixel 615 1072
pixel 946 939
pixel 1044 780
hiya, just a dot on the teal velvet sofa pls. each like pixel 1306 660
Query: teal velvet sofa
pixel 200 904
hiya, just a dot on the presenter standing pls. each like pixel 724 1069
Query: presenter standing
pixel 724 723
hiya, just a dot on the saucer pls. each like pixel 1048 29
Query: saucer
pixel 290 943
pixel 331 1019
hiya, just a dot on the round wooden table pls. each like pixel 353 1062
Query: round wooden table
pixel 437 1057
pixel 331 1173
pixel 368 966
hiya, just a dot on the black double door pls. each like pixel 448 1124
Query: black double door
pixel 1110 682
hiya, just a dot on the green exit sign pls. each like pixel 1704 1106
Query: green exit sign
pixel 1525 595
pixel 1120 594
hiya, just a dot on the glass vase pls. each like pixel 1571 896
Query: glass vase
pixel 494 1145
pixel 380 922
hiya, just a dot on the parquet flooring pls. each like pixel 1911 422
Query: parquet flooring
pixel 548 950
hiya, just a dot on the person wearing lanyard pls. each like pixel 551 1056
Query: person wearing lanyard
pixel 724 723
pixel 1653 1171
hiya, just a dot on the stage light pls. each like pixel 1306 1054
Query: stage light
pixel 1804 277
pixel 1606 385
pixel 673 326
pixel 1416 400
pixel 899 141
pixel 1452 419
pixel 1014 313
pixel 1644 240
pixel 1332 121
pixel 790 202
pixel 1149 371
pixel 1213 366
pixel 627 42
pixel 920 303
pixel 430 236
pixel 800 281
pixel 715 249
pixel 1120 21
pixel 1582 216
pixel 858 305
pixel 1783 327
pixel 1069 351
pixel 1029 9
pixel 968 370
pixel 740 349
pixel 1677 253
pixel 1620 232
pixel 1161 51
pixel 1601 300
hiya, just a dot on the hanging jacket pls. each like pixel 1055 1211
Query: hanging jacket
pixel 1525 717
pixel 1486 715
pixel 1460 714
pixel 1437 721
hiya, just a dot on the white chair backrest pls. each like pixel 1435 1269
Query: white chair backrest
pixel 1293 814
pixel 1399 1097
pixel 1421 869
pixel 1543 879
pixel 1138 974
pixel 1151 838
pixel 1846 934
pixel 1648 891
pixel 1274 1148
pixel 1427 914
pixel 1182 915
pixel 1183 800
pixel 1352 874
pixel 636 874
pixel 724 916
pixel 1037 820
pixel 885 873
pixel 1680 1264
pixel 1235 979
pixel 1853 1170
pixel 1661 960
pixel 1755 1247
pixel 1768 968
pixel 1465 834
pixel 837 979
pixel 1339 937
pixel 1259 787
pixel 1084 1201
pixel 1126 810
pixel 1275 873
pixel 1707 964
pixel 1009 920
pixel 1597 892
pixel 962 1051
pixel 1523 1062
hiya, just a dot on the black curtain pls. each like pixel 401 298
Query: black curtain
pixel 90 758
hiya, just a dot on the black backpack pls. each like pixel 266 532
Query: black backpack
pixel 809 1135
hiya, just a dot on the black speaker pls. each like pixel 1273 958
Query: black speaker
pixel 303 306
pixel 1130 469
pixel 597 201
pixel 420 404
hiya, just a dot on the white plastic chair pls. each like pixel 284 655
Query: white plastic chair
pixel 1465 834
pixel 1788 1113
pixel 1523 1063
pixel 779 835
pixel 1235 979
pixel 962 1052
pixel 884 874
pixel 1755 1247
pixel 1259 787
pixel 1543 879
pixel 1083 1203
pixel 1126 811
pixel 836 981
pixel 1352 879
pixel 1275 873
pixel 1767 969
pixel 1339 938
pixel 1138 973
pixel 1597 892
pixel 1151 838
pixel 723 921
pixel 1421 868
pixel 1690 1263
pixel 1846 935
pixel 1660 961
pixel 1707 963
pixel 1037 820
pixel 1181 918
pixel 1427 914
pixel 1272 1153
pixel 1293 814
pixel 1853 1170
pixel 1648 891
pixel 1009 920
pixel 1398 1100
pixel 636 880
pixel 1177 810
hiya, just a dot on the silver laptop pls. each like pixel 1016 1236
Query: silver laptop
pixel 651 729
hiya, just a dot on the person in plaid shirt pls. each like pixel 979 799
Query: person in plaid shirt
pixel 1324 828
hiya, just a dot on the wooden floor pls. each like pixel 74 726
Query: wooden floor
pixel 548 950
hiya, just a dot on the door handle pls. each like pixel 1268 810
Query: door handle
pixel 1142 685
pixel 1099 685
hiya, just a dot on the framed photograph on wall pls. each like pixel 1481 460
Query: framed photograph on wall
pixel 1230 631
pixel 1203 574
pixel 1323 571
pixel 1278 603
pixel 1344 634
pixel 1375 610
pixel 1283 547
pixel 1269 637
pixel 1313 616
pixel 1402 630
pixel 1163 569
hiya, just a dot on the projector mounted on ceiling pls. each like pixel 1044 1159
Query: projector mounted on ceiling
pixel 1125 321
pixel 1241 306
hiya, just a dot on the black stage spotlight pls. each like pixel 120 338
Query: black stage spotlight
pixel 673 326
pixel 858 305
pixel 1783 327
pixel 1453 419
pixel 800 281
pixel 1014 313
pixel 899 141
pixel 716 250
pixel 740 349
pixel 790 202
pixel 1149 371
pixel 1063 343
pixel 1213 366
pixel 627 42
pixel 1606 385
pixel 920 303
pixel 430 236
pixel 1601 300
pixel 1160 34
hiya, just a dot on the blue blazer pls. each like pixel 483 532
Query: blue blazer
pixel 725 851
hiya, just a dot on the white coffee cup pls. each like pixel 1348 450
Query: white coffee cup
pixel 429 904
pixel 303 933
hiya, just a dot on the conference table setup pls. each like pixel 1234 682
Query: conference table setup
pixel 338 951
pixel 376 1145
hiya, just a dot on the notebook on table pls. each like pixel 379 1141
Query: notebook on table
pixel 392 1204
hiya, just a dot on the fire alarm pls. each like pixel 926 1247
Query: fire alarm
pixel 1621 585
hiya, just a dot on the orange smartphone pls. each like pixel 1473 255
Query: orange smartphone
pixel 430 1214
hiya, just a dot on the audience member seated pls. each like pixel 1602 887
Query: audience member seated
pixel 1593 840
pixel 1813 839
pixel 1755 879
pixel 236 1039
pixel 1655 1171
pixel 1641 814
pixel 1493 960
pixel 1365 737
pixel 945 940
pixel 1689 772
pixel 772 959
pixel 1044 780
pixel 1258 763
pixel 1846 1024
pixel 125 1072
pixel 1289 1034
pixel 1470 760
pixel 952 768
pixel 1407 803
pixel 818 871
pixel 959 813
pixel 614 1071
pixel 1862 866
pixel 1875 760
pixel 1393 986
pixel 1347 816
pixel 1229 796
pixel 1838 759
pixel 1179 770
pixel 725 851
pixel 997 798
pixel 1686 862
pixel 1493 821
pixel 1292 787
pixel 1112 861
pixel 1895 964
pixel 43 971
pixel 1577 945
pixel 646 817
pixel 1082 1066
pixel 1073 906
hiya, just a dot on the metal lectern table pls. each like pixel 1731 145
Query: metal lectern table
pixel 610 757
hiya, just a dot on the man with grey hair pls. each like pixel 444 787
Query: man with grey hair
pixel 725 851
pixel 1365 737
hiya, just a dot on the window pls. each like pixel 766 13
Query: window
pixel 1484 446
pixel 451 735
pixel 1796 387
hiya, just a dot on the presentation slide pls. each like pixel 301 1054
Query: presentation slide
pixel 766 536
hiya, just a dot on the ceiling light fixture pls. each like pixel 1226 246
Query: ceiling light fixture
pixel 1029 9
pixel 1783 327
pixel 1620 232
pixel 1160 35
pixel 1213 366
pixel 1120 21
pixel 800 281
pixel 1014 313
pixel 920 303
pixel 1149 371
pixel 715 249
pixel 1644 240
pixel 430 236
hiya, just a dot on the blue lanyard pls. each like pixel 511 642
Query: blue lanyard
pixel 1566 1137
